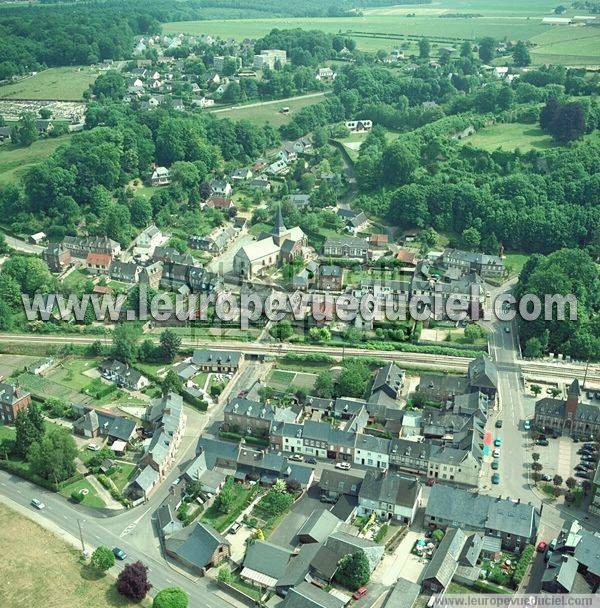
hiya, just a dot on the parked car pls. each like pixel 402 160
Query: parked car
pixel 360 592
pixel 580 467
pixel 582 475
pixel 589 446
pixel 119 553
pixel 542 442
pixel 430 482
pixel 497 442
pixel 507 329
pixel 235 527
pixel 495 479
pixel 495 465
pixel 345 466
pixel 542 546
pixel 311 460
pixel 496 453
pixel 546 477
pixel 527 425
pixel 499 423
pixel 296 457
pixel 38 504
pixel 94 447
pixel 548 556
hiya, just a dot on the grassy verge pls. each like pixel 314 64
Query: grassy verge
pixel 45 571
pixel 91 499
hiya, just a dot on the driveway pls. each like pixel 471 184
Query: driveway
pixel 401 560
pixel 285 535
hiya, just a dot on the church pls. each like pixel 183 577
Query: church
pixel 271 249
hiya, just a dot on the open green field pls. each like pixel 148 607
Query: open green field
pixel 61 84
pixel 390 27
pixel 567 45
pixel 45 571
pixel 282 380
pixel 510 136
pixel 268 112
pixel 15 160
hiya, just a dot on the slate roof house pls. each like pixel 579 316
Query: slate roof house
pixel 265 563
pixel 329 278
pixel 454 559
pixel 198 546
pixel 389 380
pixel 122 375
pixel 325 563
pixel 307 595
pixel 219 361
pixel 318 527
pixel 346 247
pixel 56 256
pixel 127 272
pixel 334 484
pixel 79 247
pixel 487 266
pixel 568 416
pixel 515 523
pixel 390 495
pixel 94 422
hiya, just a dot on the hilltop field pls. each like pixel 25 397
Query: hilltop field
pixel 444 23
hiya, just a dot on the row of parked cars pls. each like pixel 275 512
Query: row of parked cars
pixel 588 460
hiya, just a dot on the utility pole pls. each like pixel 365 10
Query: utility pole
pixel 81 536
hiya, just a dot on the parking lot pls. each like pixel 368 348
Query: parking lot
pixel 559 457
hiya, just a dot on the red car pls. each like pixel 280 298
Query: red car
pixel 430 482
pixel 542 546
pixel 359 593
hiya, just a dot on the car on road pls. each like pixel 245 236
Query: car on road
pixel 360 592
pixel 94 447
pixel 497 442
pixel 311 460
pixel 38 504
pixel 499 423
pixel 430 482
pixel 496 453
pixel 296 457
pixel 496 479
pixel 119 553
pixel 507 329
pixel 582 475
pixel 527 425
pixel 546 477
pixel 542 442
pixel 345 466
pixel 235 527
pixel 542 546
pixel 548 555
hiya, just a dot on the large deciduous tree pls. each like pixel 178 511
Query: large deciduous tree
pixel 133 583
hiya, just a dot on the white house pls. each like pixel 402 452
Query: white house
pixel 161 177
pixel 372 451
pixel 359 126
pixel 149 239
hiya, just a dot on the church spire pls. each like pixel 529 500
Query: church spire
pixel 279 225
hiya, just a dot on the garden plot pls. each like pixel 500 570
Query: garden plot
pixel 282 380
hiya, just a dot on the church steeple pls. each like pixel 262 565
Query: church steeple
pixel 279 225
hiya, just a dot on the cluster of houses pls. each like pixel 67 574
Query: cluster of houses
pixel 441 442
pixel 153 264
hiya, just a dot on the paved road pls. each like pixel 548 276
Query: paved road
pixel 281 102
pixel 23 246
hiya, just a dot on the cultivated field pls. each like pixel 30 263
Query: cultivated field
pixel 15 160
pixel 62 84
pixel 41 570
pixel 268 112
pixel 510 136
pixel 444 23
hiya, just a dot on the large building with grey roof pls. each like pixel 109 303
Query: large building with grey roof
pixel 514 522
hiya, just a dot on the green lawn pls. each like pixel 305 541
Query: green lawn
pixel 14 160
pixel 6 432
pixel 123 474
pixel 62 84
pixel 237 582
pixel 268 112
pixel 515 262
pixel 242 497
pixel 91 499
pixel 510 136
